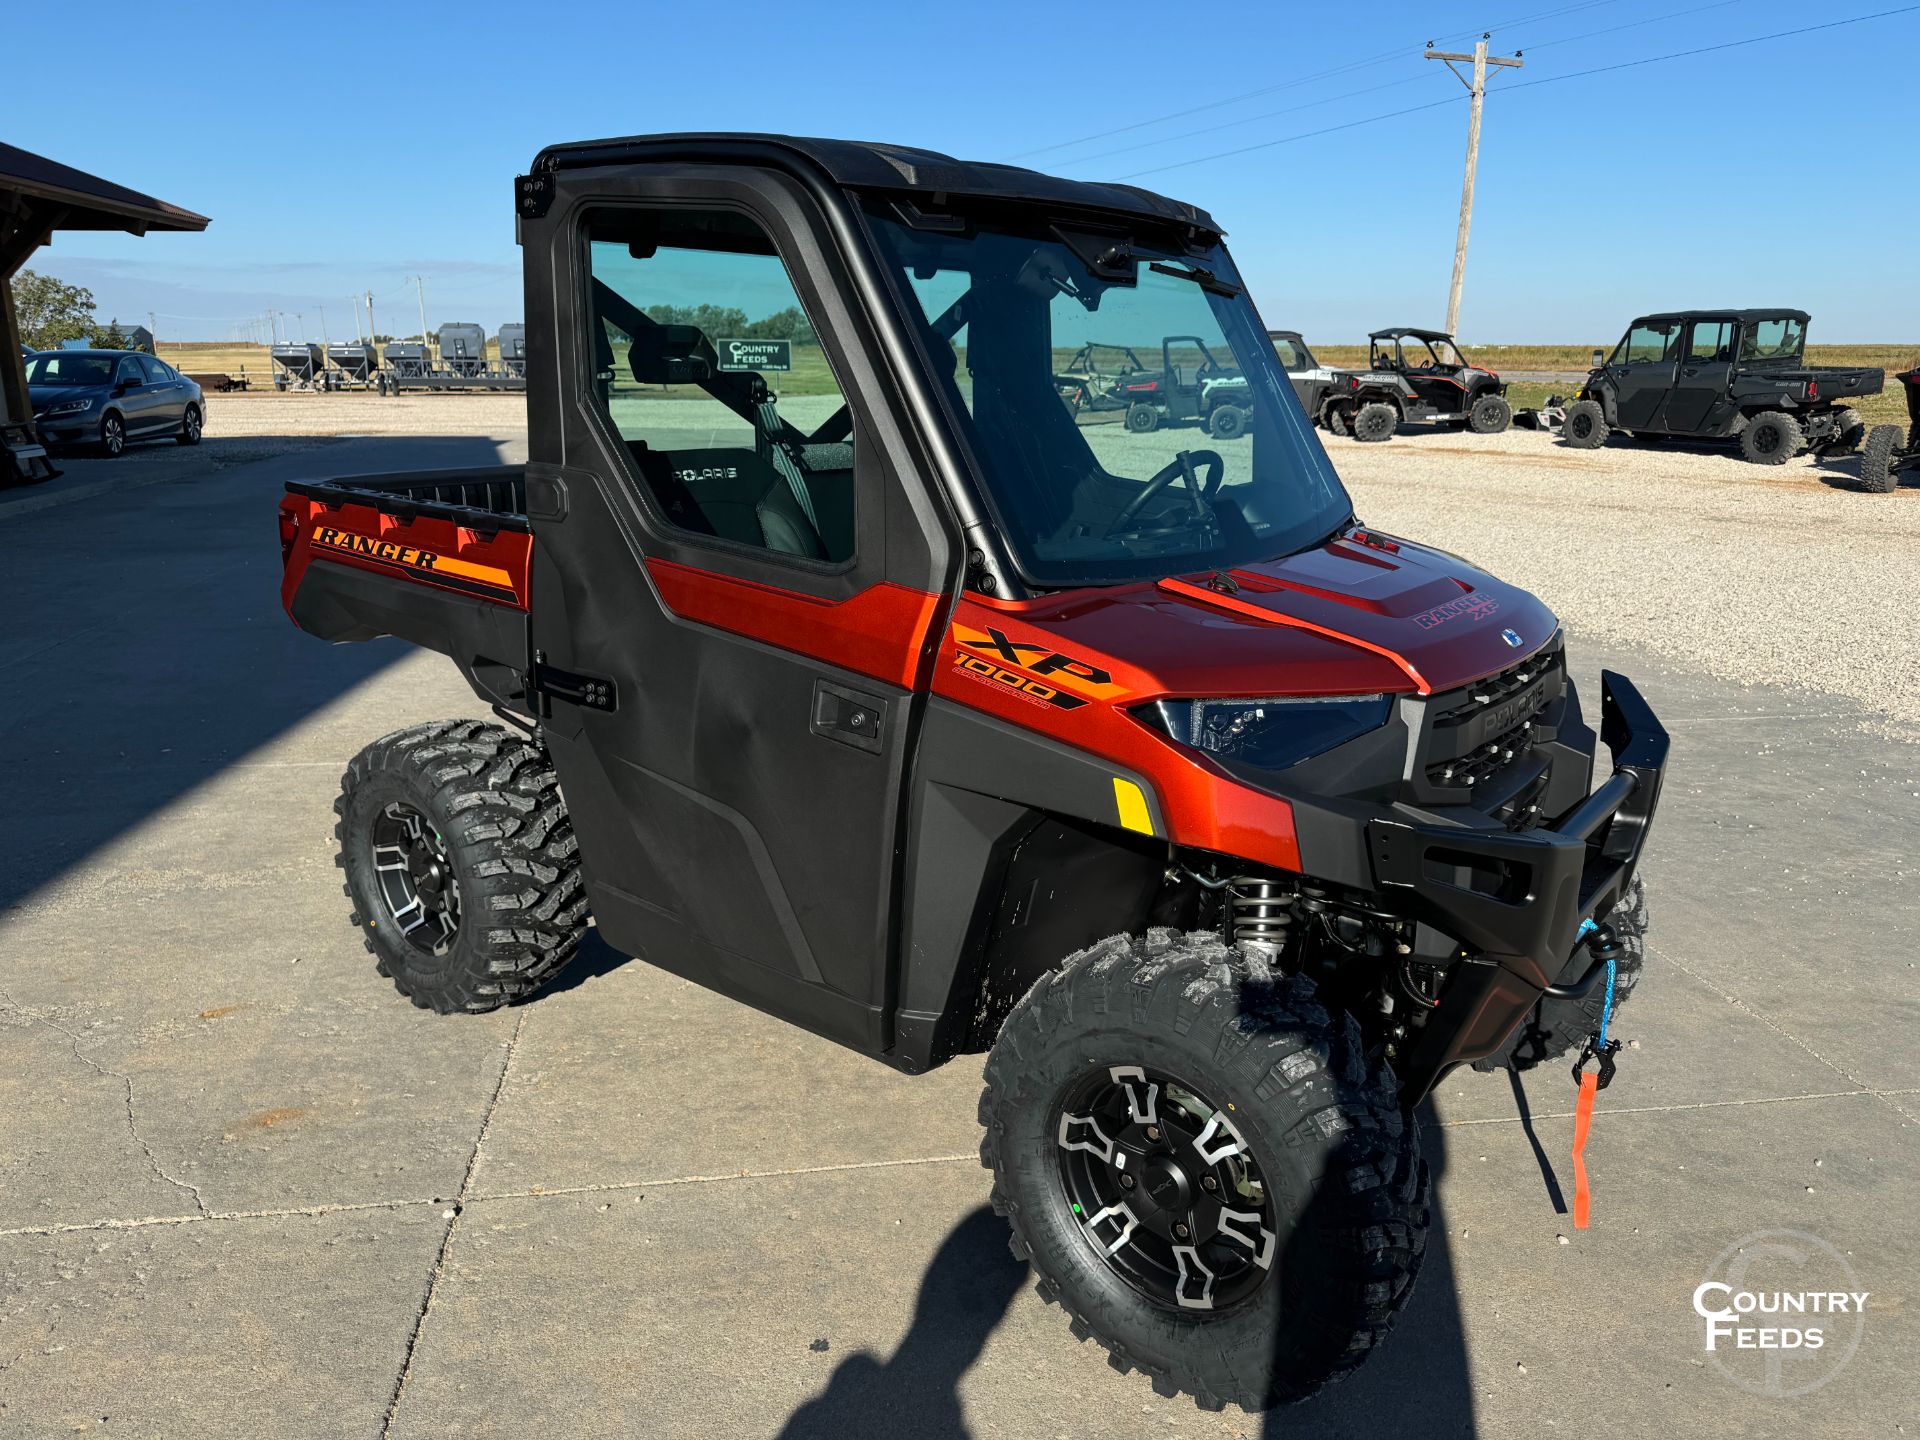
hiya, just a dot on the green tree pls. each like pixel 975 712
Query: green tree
pixel 51 311
pixel 109 337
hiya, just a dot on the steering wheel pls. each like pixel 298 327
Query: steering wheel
pixel 1181 467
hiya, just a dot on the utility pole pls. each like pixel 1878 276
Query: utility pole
pixel 353 303
pixel 1477 87
pixel 420 284
pixel 153 333
pixel 325 340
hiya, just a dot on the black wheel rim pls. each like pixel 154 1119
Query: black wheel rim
pixel 1766 439
pixel 1165 1189
pixel 416 878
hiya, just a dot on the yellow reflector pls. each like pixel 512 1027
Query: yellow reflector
pixel 1134 814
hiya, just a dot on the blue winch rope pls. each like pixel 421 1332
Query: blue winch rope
pixel 1587 927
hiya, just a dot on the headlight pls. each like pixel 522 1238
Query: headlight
pixel 1269 734
pixel 71 407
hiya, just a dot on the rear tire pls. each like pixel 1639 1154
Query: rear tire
pixel 1142 419
pixel 1558 1025
pixel 1585 427
pixel 1307 1132
pixel 471 813
pixel 1877 475
pixel 190 426
pixel 1848 430
pixel 1489 415
pixel 1336 420
pixel 1771 438
pixel 1375 422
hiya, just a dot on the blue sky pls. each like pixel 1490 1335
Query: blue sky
pixel 345 148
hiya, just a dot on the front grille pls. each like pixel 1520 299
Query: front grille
pixel 1477 733
pixel 1485 761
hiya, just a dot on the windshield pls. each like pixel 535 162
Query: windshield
pixel 1779 339
pixel 1193 456
pixel 53 368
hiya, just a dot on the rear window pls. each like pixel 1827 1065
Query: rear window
pixel 1781 339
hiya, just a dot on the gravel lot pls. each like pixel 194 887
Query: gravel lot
pixel 1777 576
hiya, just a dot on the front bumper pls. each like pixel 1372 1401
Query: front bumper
pixel 1516 901
pixel 70 429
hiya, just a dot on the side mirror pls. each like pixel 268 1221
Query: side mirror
pixel 1599 358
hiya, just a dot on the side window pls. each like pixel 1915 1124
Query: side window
pixel 1648 344
pixel 130 372
pixel 154 371
pixel 1772 340
pixel 710 371
pixel 1709 341
pixel 1290 357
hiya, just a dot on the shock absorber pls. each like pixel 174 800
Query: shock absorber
pixel 1262 910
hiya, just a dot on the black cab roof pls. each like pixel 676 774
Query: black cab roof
pixel 1404 330
pixel 862 165
pixel 1741 316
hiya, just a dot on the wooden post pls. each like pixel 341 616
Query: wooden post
pixel 1477 88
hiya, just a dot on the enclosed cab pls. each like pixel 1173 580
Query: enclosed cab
pixel 1727 375
pixel 837 666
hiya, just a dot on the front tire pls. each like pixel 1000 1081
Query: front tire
pixel 1771 438
pixel 1585 427
pixel 1877 475
pixel 461 864
pixel 1254 1119
pixel 1489 415
pixel 1560 1024
pixel 113 437
pixel 1227 422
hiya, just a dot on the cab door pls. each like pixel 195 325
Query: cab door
pixel 1705 369
pixel 734 592
pixel 1642 372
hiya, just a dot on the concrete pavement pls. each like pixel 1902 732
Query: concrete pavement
pixel 246 1190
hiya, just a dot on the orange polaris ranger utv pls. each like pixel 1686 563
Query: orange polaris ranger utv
pixel 839 666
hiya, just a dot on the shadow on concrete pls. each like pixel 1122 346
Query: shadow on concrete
pixel 963 1296
pixel 1417 1382
pixel 1547 1175
pixel 143 648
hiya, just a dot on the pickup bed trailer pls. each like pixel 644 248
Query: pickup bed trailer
pixel 921 716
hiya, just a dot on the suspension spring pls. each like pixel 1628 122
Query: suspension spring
pixel 1262 909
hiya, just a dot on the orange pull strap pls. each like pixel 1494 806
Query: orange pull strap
pixel 1582 1123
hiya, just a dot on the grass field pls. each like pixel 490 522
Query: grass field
pixel 810 375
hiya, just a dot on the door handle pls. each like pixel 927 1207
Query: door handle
pixel 1690 370
pixel 848 716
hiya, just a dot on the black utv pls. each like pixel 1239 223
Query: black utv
pixel 1416 377
pixel 1889 451
pixel 1722 375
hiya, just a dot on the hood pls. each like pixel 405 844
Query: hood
pixel 1362 614
pixel 44 395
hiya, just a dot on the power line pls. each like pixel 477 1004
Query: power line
pixel 1634 24
pixel 1522 85
pixel 1710 49
pixel 1247 120
pixel 1365 63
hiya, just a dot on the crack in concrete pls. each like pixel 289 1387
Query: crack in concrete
pixel 1884 1096
pixel 133 1122
pixel 453 1224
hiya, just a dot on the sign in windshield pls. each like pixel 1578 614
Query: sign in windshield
pixel 756 354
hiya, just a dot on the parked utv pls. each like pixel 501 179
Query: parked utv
pixel 1312 382
pixel 1190 384
pixel 1416 377
pixel 906 707
pixel 1722 375
pixel 1889 453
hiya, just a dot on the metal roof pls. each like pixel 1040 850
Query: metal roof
pixel 1397 332
pixel 859 165
pixel 71 199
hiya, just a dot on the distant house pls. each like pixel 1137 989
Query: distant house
pixel 138 337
